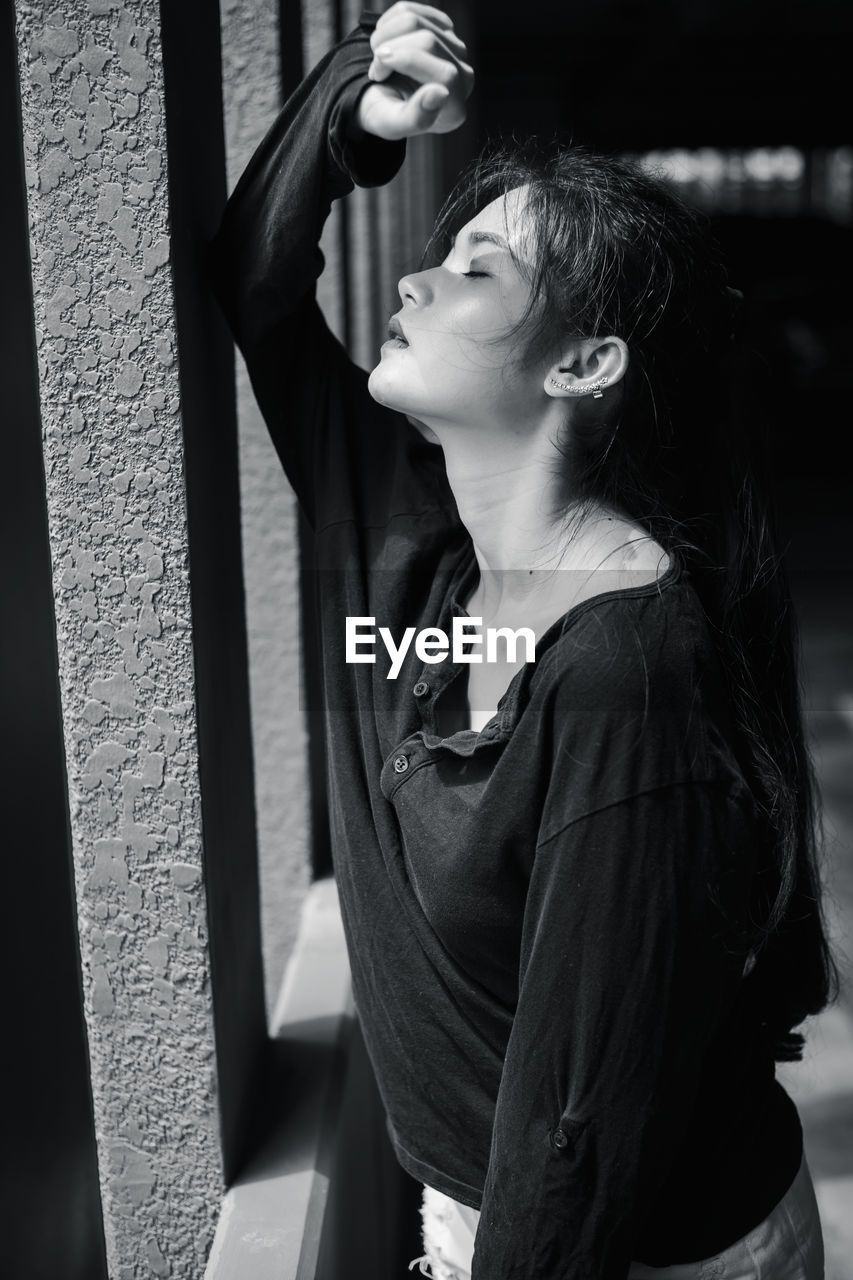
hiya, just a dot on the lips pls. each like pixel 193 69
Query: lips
pixel 395 330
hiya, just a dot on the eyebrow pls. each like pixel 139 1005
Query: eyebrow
pixel 484 237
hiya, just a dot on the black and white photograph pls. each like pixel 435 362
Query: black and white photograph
pixel 427 640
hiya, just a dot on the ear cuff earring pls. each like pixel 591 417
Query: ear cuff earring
pixel 594 387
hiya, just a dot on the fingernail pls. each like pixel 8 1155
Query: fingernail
pixel 385 51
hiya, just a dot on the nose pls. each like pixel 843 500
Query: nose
pixel 415 288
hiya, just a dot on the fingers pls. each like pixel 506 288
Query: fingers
pixel 420 111
pixel 415 57
pixel 406 21
pixel 443 43
pixel 385 113
pixel 420 74
pixel 427 11
pixel 427 27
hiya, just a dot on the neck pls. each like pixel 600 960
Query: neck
pixel 507 489
pixel 511 491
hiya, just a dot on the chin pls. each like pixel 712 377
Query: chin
pixel 383 390
pixel 375 387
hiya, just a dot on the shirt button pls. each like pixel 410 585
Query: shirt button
pixel 401 764
pixel 559 1139
pixel 420 689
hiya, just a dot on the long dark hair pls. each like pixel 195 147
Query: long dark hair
pixel 614 251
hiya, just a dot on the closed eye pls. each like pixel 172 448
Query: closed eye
pixel 474 273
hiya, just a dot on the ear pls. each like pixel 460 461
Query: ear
pixel 590 366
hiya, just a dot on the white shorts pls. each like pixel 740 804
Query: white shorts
pixel 787 1245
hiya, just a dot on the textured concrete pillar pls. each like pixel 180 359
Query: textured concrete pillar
pixel 252 85
pixel 94 133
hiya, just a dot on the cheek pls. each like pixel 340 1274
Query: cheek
pixel 472 350
pixel 466 349
pixel 484 335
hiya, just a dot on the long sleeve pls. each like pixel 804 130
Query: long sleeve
pixel 265 261
pixel 629 966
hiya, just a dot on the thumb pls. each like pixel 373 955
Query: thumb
pixel 424 105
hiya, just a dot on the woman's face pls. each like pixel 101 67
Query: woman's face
pixel 458 358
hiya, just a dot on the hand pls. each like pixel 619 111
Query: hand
pixel 420 77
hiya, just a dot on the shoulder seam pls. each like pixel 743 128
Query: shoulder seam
pixel 737 795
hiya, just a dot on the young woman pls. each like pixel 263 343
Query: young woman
pixel 579 892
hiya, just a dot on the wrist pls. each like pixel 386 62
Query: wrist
pixel 354 129
pixel 368 160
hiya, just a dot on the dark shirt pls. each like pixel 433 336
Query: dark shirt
pixel 542 917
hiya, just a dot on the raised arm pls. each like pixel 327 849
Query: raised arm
pixel 337 130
